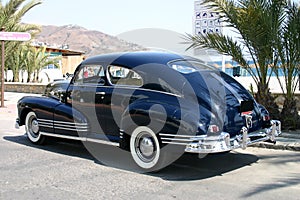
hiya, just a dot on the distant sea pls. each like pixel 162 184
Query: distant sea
pixel 229 65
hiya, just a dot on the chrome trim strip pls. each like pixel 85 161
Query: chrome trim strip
pixel 71 126
pixel 130 88
pixel 45 120
pixel 61 122
pixel 84 139
pixel 177 139
pixel 45 126
pixel 149 90
pixel 63 136
pixel 72 129
pixel 177 143
pixel 183 136
pixel 102 142
pixel 65 128
pixel 61 125
pixel 71 123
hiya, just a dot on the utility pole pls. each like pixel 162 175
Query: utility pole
pixel 2 71
pixel 9 36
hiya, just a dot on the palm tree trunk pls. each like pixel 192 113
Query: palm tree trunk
pixel 264 97
pixel 16 76
pixel 289 115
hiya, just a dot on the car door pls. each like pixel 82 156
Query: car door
pixel 117 97
pixel 86 96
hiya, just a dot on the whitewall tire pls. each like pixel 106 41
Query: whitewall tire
pixel 32 129
pixel 144 147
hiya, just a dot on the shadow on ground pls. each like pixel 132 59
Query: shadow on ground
pixel 187 167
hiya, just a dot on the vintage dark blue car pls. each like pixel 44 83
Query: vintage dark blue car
pixel 151 104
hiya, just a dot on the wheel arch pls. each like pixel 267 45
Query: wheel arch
pixel 138 115
pixel 23 115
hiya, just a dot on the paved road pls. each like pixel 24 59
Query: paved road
pixel 65 170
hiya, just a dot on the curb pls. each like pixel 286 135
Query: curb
pixel 289 147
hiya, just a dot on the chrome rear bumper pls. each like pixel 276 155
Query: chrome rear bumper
pixel 223 142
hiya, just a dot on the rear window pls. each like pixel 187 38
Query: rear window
pixel 123 76
pixel 187 67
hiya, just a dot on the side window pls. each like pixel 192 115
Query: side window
pixel 90 74
pixel 123 76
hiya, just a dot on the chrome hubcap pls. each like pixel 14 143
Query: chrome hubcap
pixel 35 126
pixel 146 146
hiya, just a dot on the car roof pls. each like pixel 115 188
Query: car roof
pixel 133 59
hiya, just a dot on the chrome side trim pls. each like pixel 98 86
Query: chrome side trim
pixel 83 139
pixel 62 122
pixel 71 123
pixel 102 142
pixel 45 126
pixel 176 139
pixel 179 139
pixel 182 136
pixel 63 136
pixel 130 88
pixel 72 129
pixel 177 143
pixel 69 126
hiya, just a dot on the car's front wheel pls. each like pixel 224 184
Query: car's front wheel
pixel 32 129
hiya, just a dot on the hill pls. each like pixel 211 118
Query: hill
pixel 77 38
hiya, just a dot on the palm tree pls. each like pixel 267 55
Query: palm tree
pixel 257 23
pixel 36 59
pixel 288 46
pixel 11 14
pixel 16 62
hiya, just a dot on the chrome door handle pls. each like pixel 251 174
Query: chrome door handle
pixel 100 93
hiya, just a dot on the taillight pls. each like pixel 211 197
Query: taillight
pixel 213 128
pixel 266 118
pixel 246 113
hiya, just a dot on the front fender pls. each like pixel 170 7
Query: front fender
pixel 42 106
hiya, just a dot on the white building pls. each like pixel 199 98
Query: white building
pixel 206 21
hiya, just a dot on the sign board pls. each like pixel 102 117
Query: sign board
pixel 10 36
pixel 15 36
pixel 206 20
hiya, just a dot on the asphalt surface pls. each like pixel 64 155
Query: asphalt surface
pixel 66 170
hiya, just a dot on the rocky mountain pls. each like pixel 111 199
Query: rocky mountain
pixel 77 38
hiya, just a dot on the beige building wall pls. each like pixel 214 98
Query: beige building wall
pixel 69 63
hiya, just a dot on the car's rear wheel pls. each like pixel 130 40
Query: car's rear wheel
pixel 32 129
pixel 144 147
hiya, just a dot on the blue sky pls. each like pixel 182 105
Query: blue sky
pixel 115 16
